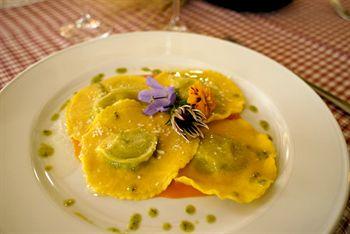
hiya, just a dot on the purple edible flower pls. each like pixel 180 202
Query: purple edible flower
pixel 160 98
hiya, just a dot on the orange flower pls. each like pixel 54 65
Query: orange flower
pixel 200 97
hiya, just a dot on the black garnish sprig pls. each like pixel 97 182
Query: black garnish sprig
pixel 187 121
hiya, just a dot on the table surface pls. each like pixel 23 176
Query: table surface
pixel 306 36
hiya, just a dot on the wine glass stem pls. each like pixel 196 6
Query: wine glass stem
pixel 86 11
pixel 176 11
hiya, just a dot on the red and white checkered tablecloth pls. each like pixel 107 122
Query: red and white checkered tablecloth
pixel 306 36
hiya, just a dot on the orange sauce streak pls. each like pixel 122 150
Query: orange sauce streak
pixel 179 190
pixel 234 116
pixel 77 148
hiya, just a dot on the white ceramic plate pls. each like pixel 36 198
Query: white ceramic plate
pixel 308 196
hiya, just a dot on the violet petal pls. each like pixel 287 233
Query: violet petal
pixel 164 102
pixel 149 95
pixel 159 97
pixel 172 95
pixel 150 110
pixel 151 82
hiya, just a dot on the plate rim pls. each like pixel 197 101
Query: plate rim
pixel 336 126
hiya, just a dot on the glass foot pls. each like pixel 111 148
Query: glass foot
pixel 84 29
pixel 176 28
pixel 176 25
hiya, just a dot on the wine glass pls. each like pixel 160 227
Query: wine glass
pixel 339 8
pixel 175 23
pixel 85 28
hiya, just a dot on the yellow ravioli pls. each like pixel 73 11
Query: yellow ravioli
pixel 148 178
pixel 233 161
pixel 85 104
pixel 228 97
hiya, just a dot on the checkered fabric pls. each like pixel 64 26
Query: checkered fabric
pixel 306 36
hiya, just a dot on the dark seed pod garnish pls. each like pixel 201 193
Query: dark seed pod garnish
pixel 187 121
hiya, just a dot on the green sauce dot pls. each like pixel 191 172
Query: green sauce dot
pixel 190 209
pixel 145 69
pixel 45 150
pixel 211 218
pixel 265 125
pixel 253 178
pixel 262 155
pixel 55 117
pixel 236 95
pixel 98 78
pixel 69 202
pixel 47 132
pixel 153 212
pixel 116 115
pixel 121 70
pixel 113 229
pixel 83 217
pixel 166 226
pixel 156 71
pixel 48 168
pixel 64 105
pixel 135 222
pixel 270 137
pixel 187 226
pixel 253 108
pixel 131 188
pixel 262 181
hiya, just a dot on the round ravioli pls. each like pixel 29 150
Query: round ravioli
pixel 89 101
pixel 129 155
pixel 233 161
pixel 228 97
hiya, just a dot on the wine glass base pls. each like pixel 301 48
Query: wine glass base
pixel 176 28
pixel 84 29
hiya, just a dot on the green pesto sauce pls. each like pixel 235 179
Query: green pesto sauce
pixel 116 115
pixel 262 181
pixel 55 117
pixel 153 212
pixel 265 125
pixel 64 105
pixel 254 177
pixel 68 202
pixel 262 155
pixel 211 218
pixel 45 150
pixel 186 226
pixel 167 226
pixel 135 222
pixel 253 109
pixel 113 229
pixel 236 95
pixel 146 69
pixel 190 209
pixel 47 132
pixel 156 71
pixel 131 188
pixel 121 70
pixel 48 168
pixel 97 79
pixel 83 217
